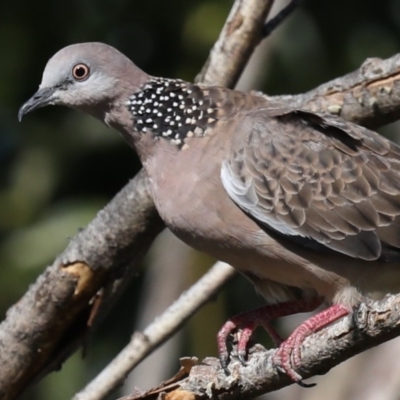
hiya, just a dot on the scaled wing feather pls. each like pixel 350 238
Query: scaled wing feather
pixel 317 177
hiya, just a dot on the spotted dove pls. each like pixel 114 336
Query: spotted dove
pixel 305 205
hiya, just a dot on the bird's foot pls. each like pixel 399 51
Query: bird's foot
pixel 288 356
pixel 246 324
pixel 248 321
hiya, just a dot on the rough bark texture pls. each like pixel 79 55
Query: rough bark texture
pixel 241 34
pixel 50 320
pixel 371 325
pixel 369 96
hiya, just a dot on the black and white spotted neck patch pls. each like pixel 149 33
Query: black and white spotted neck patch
pixel 172 109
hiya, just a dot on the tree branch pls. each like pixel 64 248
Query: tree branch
pixel 369 96
pixel 50 320
pixel 370 325
pixel 239 37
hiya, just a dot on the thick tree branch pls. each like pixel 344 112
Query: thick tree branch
pixel 369 96
pixel 50 320
pixel 371 325
pixel 239 37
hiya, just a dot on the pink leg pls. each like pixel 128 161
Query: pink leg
pixel 248 321
pixel 288 356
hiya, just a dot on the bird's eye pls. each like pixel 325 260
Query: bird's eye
pixel 80 72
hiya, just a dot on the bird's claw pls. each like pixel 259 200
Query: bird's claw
pixel 306 385
pixel 242 358
pixel 224 361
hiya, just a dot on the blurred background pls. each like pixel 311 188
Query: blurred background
pixel 59 167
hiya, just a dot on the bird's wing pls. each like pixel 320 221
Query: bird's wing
pixel 318 180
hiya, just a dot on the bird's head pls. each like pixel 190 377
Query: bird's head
pixel 86 76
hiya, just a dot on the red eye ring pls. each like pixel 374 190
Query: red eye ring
pixel 80 72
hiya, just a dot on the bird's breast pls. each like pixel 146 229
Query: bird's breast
pixel 190 198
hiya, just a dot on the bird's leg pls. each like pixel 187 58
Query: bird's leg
pixel 248 321
pixel 288 356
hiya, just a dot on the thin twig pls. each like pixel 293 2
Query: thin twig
pixel 277 20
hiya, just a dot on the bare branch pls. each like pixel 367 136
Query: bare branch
pixel 239 37
pixel 371 324
pixel 50 320
pixel 369 96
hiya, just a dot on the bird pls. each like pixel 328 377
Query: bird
pixel 305 205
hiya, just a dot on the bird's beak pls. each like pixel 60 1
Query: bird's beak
pixel 41 98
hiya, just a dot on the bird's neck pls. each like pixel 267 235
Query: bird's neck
pixel 173 110
pixel 172 114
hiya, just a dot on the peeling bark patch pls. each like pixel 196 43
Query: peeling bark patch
pixel 84 274
pixel 385 82
pixel 180 395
